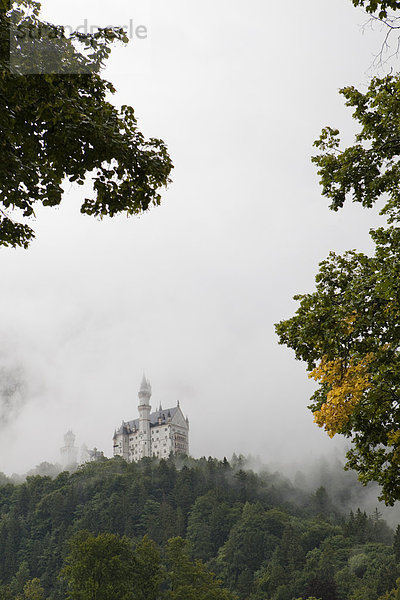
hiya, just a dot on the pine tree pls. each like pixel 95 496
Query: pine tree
pixel 396 544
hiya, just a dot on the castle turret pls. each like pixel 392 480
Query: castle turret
pixel 69 452
pixel 144 418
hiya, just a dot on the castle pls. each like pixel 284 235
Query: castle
pixel 155 434
pixel 69 453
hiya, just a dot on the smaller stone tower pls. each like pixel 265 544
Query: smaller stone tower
pixel 69 452
pixel 144 418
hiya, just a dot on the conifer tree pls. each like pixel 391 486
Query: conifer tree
pixel 396 544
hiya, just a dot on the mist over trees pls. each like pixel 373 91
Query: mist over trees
pixel 12 391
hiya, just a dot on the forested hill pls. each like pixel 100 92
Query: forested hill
pixel 263 538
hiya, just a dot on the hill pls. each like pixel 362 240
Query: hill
pixel 264 537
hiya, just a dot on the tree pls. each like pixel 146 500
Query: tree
pixel 373 6
pixel 99 568
pixel 396 544
pixel 20 578
pixel 347 330
pixel 209 523
pixel 348 333
pixel 6 593
pixel 368 170
pixel 252 540
pixel 148 574
pixel 32 590
pixel 57 124
pixel 289 553
pixel 190 580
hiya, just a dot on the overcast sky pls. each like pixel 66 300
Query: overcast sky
pixel 190 291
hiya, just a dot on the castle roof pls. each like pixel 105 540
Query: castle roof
pixel 165 415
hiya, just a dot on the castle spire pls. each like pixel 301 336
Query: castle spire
pixel 145 386
pixel 144 417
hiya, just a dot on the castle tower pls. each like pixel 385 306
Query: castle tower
pixel 69 452
pixel 144 418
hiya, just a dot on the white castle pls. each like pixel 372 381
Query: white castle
pixel 155 434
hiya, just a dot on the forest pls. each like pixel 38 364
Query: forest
pixel 190 528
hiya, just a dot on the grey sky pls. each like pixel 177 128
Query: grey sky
pixel 191 290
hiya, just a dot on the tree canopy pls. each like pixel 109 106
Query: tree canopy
pixel 57 124
pixel 380 7
pixel 369 169
pixel 99 567
pixel 348 333
pixel 348 329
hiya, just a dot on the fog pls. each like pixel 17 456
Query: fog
pixel 190 291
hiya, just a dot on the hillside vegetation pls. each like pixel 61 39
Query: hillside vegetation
pixel 261 536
